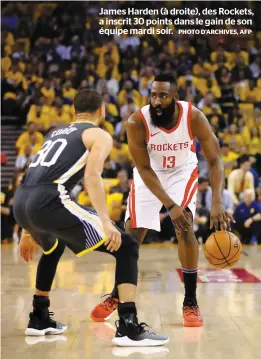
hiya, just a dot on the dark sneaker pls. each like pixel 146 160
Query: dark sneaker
pixel 130 333
pixel 44 325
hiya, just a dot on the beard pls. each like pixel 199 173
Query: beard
pixel 161 117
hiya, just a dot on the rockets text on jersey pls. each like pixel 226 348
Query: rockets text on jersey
pixel 174 148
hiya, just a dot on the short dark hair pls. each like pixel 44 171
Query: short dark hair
pixel 87 100
pixel 243 159
pixel 202 180
pixel 224 145
pixel 166 77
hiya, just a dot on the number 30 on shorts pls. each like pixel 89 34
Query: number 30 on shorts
pixel 168 162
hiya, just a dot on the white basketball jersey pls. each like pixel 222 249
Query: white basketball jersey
pixel 170 150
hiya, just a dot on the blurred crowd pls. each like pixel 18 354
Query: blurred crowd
pixel 51 50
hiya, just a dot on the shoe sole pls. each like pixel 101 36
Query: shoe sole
pixel 125 352
pixel 102 319
pixel 127 342
pixel 32 340
pixel 47 331
pixel 193 324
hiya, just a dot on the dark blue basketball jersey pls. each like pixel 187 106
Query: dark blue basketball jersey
pixel 61 159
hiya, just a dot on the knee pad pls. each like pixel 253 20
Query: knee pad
pixel 130 245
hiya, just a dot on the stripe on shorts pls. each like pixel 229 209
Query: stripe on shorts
pixel 190 187
pixel 92 226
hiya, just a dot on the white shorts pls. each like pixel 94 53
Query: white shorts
pixel 143 206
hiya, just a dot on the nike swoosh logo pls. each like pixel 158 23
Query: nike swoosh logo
pixel 154 134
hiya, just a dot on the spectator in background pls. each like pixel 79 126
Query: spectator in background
pixel 120 153
pixel 241 179
pixel 48 91
pixel 125 112
pixel 124 185
pixel 109 169
pixel 75 51
pixel 253 161
pixel 8 227
pixel 23 161
pixel 248 218
pixel 227 200
pixel 127 92
pixel 207 104
pixel 255 141
pixel 68 92
pixel 203 168
pixel 201 222
pixel 29 138
pixel 241 66
pixel 229 158
pixel 258 194
pixel 233 138
pixel 203 185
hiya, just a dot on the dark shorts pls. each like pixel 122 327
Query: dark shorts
pixel 48 214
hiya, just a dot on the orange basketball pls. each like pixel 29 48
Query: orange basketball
pixel 222 249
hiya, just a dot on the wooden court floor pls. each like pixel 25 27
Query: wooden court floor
pixel 231 308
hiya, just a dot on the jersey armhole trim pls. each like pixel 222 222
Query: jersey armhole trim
pixel 189 119
pixel 145 125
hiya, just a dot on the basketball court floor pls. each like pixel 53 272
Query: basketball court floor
pixel 230 303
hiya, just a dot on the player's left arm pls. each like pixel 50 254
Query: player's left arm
pixel 202 131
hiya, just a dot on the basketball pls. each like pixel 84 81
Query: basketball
pixel 222 249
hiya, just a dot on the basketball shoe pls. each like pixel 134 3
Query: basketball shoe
pixel 130 333
pixel 191 314
pixel 104 310
pixel 42 324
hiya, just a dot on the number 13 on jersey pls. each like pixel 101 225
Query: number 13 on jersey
pixel 168 162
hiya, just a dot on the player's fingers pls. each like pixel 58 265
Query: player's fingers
pixel 186 221
pixel 226 219
pixel 112 243
pixel 107 240
pixel 120 242
pixel 109 247
pixel 231 218
pixel 183 223
pixel 211 222
pixel 222 221
pixel 20 252
pixel 177 226
pixel 30 255
pixel 216 223
pixel 117 242
pixel 25 255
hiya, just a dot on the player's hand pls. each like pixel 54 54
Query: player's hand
pixel 218 216
pixel 27 247
pixel 179 218
pixel 113 241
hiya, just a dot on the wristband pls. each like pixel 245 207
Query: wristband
pixel 172 206
pixel 24 233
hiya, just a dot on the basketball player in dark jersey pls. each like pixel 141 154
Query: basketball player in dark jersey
pixel 44 209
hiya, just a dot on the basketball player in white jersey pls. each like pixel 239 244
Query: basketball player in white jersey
pixel 161 142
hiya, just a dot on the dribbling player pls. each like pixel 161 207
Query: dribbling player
pixel 161 142
pixel 44 209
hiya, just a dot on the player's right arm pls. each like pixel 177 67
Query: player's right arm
pixel 137 146
pixel 99 144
